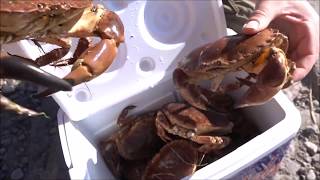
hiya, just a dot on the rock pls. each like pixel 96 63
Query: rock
pixel 17 174
pixel 282 177
pixel 315 103
pixel 308 131
pixel 311 148
pixel 307 158
pixel 316 158
pixel 293 165
pixel 311 175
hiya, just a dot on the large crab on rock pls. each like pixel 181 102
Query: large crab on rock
pixel 54 22
pixel 262 56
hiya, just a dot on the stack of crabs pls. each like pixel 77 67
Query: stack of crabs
pixel 168 143
pixel 179 138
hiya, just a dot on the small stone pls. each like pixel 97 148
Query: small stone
pixel 316 158
pixel 315 103
pixel 311 175
pixel 17 174
pixel 307 158
pixel 293 165
pixel 311 148
pixel 308 131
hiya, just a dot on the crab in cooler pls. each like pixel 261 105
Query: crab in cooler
pixel 54 22
pixel 185 121
pixel 175 160
pixel 135 140
pixel 262 56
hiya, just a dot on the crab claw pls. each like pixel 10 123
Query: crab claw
pixel 97 58
pixel 273 77
pixel 92 62
pixel 24 69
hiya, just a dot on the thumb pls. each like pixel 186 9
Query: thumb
pixel 263 14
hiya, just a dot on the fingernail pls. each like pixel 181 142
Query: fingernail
pixel 252 25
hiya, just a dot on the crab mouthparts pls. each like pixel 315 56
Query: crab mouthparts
pixel 263 57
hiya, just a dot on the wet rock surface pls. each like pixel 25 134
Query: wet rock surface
pixel 29 148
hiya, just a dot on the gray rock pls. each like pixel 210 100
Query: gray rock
pixel 17 174
pixel 311 148
pixel 316 158
pixel 307 158
pixel 293 165
pixel 308 131
pixel 315 103
pixel 311 175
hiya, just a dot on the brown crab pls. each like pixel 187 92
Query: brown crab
pixel 175 161
pixel 187 122
pixel 136 139
pixel 261 55
pixel 53 21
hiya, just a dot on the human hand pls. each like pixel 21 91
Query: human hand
pixel 299 21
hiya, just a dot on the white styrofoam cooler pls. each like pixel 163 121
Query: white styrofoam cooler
pixel 157 35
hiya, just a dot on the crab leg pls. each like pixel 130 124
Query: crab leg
pixel 200 97
pixel 93 62
pixel 190 92
pixel 95 21
pixel 55 54
pixel 7 104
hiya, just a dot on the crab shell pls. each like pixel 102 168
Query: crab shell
pixel 229 53
pixel 175 160
pixel 36 18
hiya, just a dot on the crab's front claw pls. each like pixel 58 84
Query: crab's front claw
pixel 273 77
pixel 92 63
pixel 14 67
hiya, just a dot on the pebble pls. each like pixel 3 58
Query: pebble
pixel 316 158
pixel 308 131
pixel 315 103
pixel 311 175
pixel 307 158
pixel 311 148
pixel 17 174
pixel 293 165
